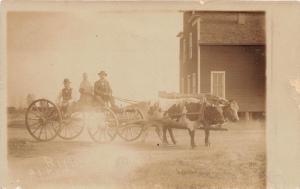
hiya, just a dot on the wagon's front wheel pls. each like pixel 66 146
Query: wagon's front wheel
pixel 130 129
pixel 102 125
pixel 43 120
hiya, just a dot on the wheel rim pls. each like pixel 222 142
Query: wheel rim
pixel 43 120
pixel 104 127
pixel 72 126
pixel 129 131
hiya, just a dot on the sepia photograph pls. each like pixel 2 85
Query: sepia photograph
pixel 149 95
pixel 156 99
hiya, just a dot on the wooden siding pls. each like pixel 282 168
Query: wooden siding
pixel 189 65
pixel 232 42
pixel 181 67
pixel 245 73
pixel 239 28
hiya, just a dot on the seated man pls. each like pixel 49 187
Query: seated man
pixel 65 97
pixel 103 91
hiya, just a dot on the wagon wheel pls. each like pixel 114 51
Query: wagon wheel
pixel 72 126
pixel 43 120
pixel 129 130
pixel 102 125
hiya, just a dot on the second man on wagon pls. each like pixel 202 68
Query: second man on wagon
pixel 103 91
pixel 86 91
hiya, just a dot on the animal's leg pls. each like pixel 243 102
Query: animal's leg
pixel 158 132
pixel 165 141
pixel 192 135
pixel 206 130
pixel 145 135
pixel 172 135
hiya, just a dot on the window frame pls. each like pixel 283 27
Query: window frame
pixel 194 83
pixel 184 49
pixel 224 82
pixel 189 82
pixel 241 18
pixel 182 85
pixel 190 45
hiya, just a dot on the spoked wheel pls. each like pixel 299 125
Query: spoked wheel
pixel 129 130
pixel 43 120
pixel 72 126
pixel 102 125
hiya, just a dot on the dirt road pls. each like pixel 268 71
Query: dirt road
pixel 236 159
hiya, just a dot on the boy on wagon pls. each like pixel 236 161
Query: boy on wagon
pixel 65 96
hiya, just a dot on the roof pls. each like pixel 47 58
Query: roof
pixel 180 34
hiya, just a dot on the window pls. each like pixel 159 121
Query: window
pixel 217 83
pixel 184 51
pixel 190 45
pixel 189 84
pixel 182 85
pixel 241 18
pixel 194 84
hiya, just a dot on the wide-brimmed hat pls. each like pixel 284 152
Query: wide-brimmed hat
pixel 102 73
pixel 66 80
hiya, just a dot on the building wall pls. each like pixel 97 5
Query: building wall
pixel 232 28
pixel 189 64
pixel 181 67
pixel 245 73
pixel 231 42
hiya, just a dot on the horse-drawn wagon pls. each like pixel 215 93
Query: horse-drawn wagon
pixel 45 120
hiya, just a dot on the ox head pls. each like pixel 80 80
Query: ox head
pixel 230 110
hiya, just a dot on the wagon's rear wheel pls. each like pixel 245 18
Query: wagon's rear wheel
pixel 43 120
pixel 102 125
pixel 72 126
pixel 129 130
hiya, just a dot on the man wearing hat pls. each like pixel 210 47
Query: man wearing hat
pixel 103 91
pixel 65 96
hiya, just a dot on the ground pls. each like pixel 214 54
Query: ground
pixel 236 159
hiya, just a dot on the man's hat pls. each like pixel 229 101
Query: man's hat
pixel 66 80
pixel 102 73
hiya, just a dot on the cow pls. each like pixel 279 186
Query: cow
pixel 191 113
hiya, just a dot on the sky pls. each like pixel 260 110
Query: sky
pixel 138 50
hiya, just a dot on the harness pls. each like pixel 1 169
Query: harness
pixel 218 122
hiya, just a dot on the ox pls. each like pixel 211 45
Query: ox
pixel 191 113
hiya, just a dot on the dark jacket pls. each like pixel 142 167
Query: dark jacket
pixel 66 94
pixel 102 88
